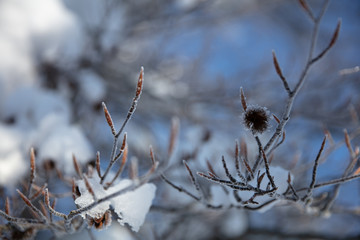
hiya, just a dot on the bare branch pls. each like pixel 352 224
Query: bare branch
pixel 121 168
pixel 313 179
pixel 113 159
pixel 97 164
pixel 243 99
pixel 307 9
pixel 267 169
pixel 109 119
pixel 7 206
pixel 32 170
pixel 193 180
pixel 331 43
pixel 77 167
pixel 279 72
pixel 231 178
pixel 32 207
pixel 237 162
pixel 291 187
pixel 50 208
pixel 89 188
pixel 179 188
pixel 19 220
pixel 134 102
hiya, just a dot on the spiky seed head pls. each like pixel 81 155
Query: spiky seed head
pixel 256 119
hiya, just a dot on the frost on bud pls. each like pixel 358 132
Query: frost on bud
pixel 256 119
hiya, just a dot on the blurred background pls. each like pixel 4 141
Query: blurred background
pixel 62 58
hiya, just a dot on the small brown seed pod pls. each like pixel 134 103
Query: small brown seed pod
pixel 256 119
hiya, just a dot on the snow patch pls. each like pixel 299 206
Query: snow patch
pixel 131 207
pixel 60 145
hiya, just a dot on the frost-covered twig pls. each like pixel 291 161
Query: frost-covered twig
pixel 310 61
pixel 113 156
pixel 313 178
pixel 263 192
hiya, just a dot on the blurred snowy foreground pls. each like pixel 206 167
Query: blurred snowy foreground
pixel 31 33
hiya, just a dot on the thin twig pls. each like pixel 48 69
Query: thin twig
pixel 331 43
pixel 267 170
pixel 307 9
pixel 134 102
pixel 19 220
pixel 32 170
pixel 228 174
pixel 50 208
pixel 32 207
pixel 121 168
pixel 113 159
pixel 313 178
pixel 279 72
pixel 97 164
pixel 131 111
pixel 77 167
pixel 332 182
pixel 286 114
pixel 193 180
pixel 237 162
pixel 179 188
pixel 243 99
pixel 109 119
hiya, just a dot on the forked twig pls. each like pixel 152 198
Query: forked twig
pixel 32 207
pixel 313 178
pixel 50 208
pixel 131 111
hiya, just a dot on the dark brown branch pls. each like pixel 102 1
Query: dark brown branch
pixel 193 180
pixel 231 178
pixel 267 169
pixel 237 162
pixel 179 188
pixel 313 179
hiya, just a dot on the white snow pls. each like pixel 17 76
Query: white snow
pixel 12 168
pixel 11 159
pixel 86 198
pixel 92 86
pixel 30 105
pixel 30 31
pixel 60 145
pixel 131 207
